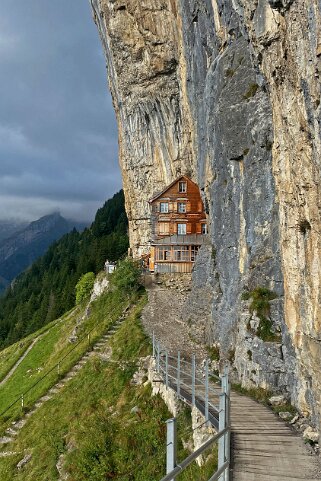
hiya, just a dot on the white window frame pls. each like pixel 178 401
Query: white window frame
pixel 194 251
pixel 180 204
pixel 182 187
pixel 181 229
pixel 163 207
pixel 205 230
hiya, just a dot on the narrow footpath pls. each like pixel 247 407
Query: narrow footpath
pixel 24 355
pixel 13 431
pixel 263 447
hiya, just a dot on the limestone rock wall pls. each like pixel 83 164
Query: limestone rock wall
pixel 228 93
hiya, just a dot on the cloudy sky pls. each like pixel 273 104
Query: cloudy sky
pixel 58 138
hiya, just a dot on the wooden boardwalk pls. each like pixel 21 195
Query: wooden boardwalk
pixel 264 448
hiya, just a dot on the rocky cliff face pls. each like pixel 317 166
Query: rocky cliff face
pixel 228 93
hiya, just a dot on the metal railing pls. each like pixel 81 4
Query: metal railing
pixel 192 384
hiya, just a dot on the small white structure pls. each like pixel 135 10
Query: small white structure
pixel 109 267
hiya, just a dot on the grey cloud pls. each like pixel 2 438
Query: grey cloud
pixel 58 139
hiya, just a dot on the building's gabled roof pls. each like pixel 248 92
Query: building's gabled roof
pixel 169 186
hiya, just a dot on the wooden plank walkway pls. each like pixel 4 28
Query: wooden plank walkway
pixel 264 448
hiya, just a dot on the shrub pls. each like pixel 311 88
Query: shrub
pixel 260 298
pixel 213 352
pixel 229 72
pixel 84 286
pixel 126 276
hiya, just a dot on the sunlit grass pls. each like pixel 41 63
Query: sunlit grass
pixel 91 422
pixel 54 347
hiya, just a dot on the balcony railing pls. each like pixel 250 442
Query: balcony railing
pixel 188 239
pixel 175 210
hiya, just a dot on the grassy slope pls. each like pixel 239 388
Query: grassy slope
pixel 51 348
pixel 90 421
pixel 10 355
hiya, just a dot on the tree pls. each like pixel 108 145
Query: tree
pixel 84 286
pixel 126 276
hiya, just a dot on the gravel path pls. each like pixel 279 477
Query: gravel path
pixel 163 316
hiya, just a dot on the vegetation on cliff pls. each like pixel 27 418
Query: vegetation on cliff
pixel 47 290
pixel 260 304
pixel 100 425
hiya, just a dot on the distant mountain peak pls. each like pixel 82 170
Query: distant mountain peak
pixel 22 248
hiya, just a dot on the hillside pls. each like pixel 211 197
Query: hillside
pixel 77 432
pixel 47 289
pixel 22 248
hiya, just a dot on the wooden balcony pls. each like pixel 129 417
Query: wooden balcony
pixel 188 239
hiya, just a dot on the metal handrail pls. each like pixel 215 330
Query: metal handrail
pixel 175 378
pixel 183 361
pixel 187 461
pixel 201 381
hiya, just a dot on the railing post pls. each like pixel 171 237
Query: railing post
pixel 227 422
pixel 193 379
pixel 206 391
pixel 153 344
pixel 158 357
pixel 22 401
pixel 221 442
pixel 178 373
pixel 166 369
pixel 171 445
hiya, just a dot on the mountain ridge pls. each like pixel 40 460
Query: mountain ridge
pixel 9 227
pixel 18 251
pixel 46 289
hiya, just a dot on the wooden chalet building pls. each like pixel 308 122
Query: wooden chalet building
pixel 179 227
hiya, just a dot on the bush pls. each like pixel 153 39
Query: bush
pixel 126 276
pixel 213 352
pixel 84 286
pixel 260 303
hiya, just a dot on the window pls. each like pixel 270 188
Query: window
pixel 181 229
pixel 163 207
pixel 194 252
pixel 181 253
pixel 182 187
pixel 181 207
pixel 163 228
pixel 204 228
pixel 163 253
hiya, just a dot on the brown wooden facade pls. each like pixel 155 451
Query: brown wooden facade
pixel 179 226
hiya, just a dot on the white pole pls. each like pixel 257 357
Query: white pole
pixel 171 445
